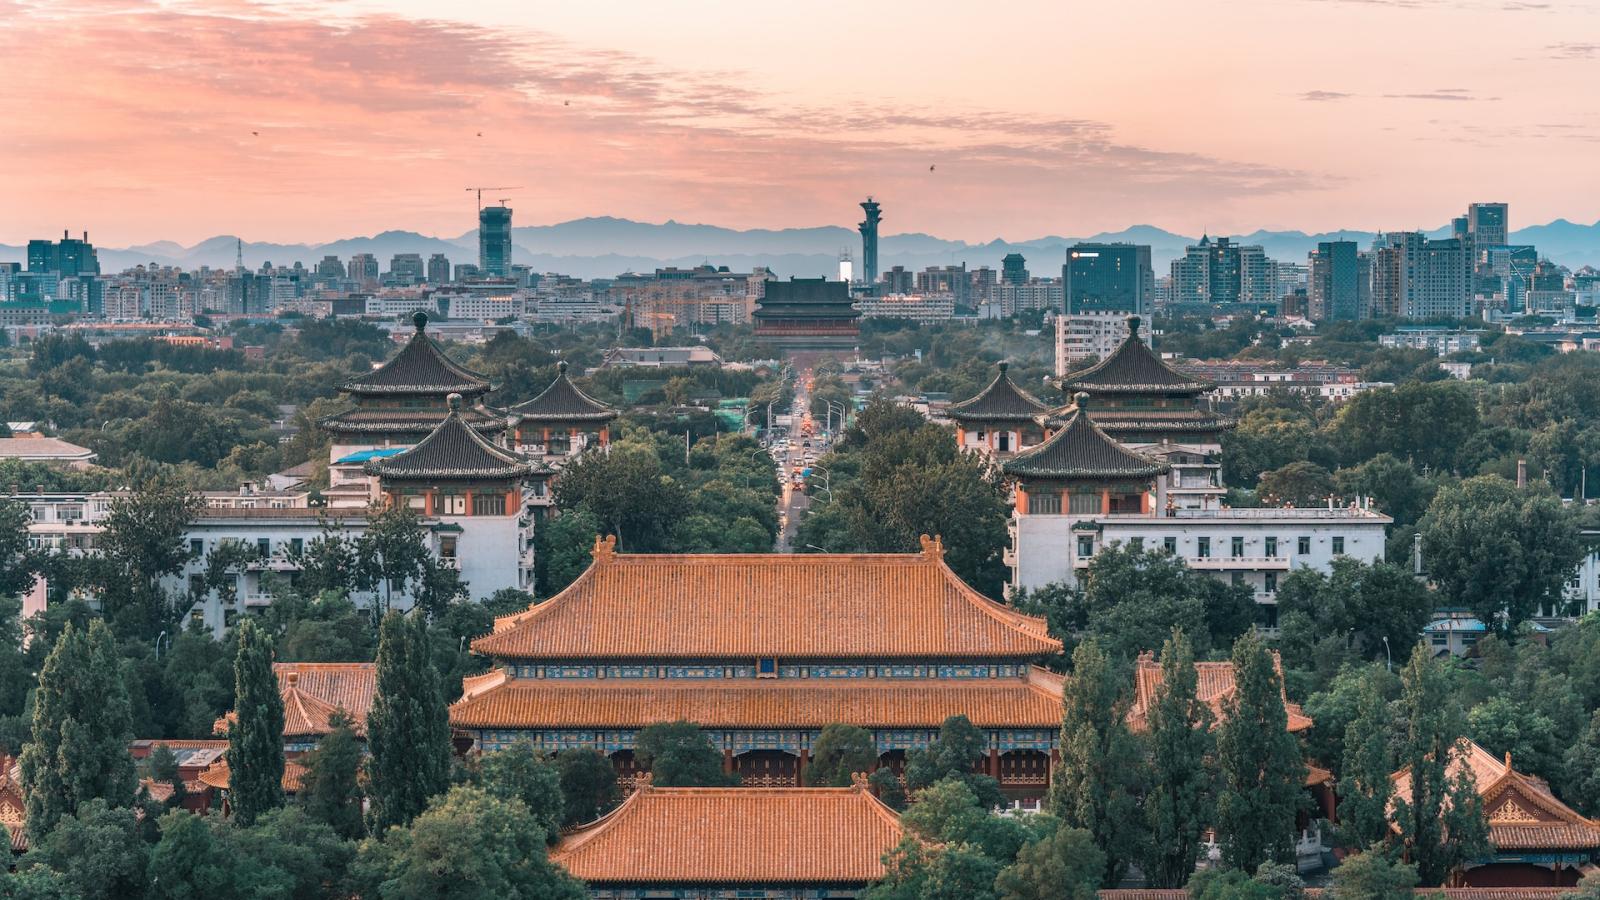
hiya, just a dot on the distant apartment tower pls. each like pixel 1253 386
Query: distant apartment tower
pixel 898 280
pixel 1013 269
pixel 1221 271
pixel 330 270
pixel 847 267
pixel 1107 278
pixel 1488 224
pixel 494 241
pixel 407 268
pixel 438 269
pixel 869 240
pixel 364 268
pixel 1417 278
pixel 1334 289
pixel 66 257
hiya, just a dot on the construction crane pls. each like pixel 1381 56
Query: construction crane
pixel 479 191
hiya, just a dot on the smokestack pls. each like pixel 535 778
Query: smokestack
pixel 1522 473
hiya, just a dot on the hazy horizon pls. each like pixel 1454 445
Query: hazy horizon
pixel 308 123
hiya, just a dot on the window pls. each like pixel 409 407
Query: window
pixel 1085 546
pixel 1044 504
pixel 767 667
pixel 197 585
pixel 1304 545
pixel 450 505
pixel 1269 582
pixel 1084 504
pixel 1440 640
pixel 489 504
pixel 1237 579
pixel 1271 546
pixel 416 502
pixel 197 547
pixel 263 547
pixel 1170 544
pixel 1338 545
pixel 1238 547
pixel 1202 547
pixel 297 546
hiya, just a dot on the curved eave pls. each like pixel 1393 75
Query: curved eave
pixel 507 472
pixel 427 390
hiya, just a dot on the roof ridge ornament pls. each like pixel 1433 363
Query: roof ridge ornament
pixel 932 547
pixel 420 319
pixel 605 548
pixel 561 367
pixel 860 781
pixel 454 402
pixel 642 782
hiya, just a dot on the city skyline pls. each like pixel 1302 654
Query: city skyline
pixel 376 114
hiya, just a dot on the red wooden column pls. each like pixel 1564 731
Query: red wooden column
pixel 800 767
pixel 727 762
pixel 994 763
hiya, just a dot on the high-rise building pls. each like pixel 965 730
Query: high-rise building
pixel 438 269
pixel 1107 278
pixel 330 270
pixel 1013 269
pixel 407 268
pixel 952 280
pixel 869 241
pixel 67 257
pixel 898 280
pixel 1417 278
pixel 1334 289
pixel 1489 224
pixel 364 268
pixel 1221 271
pixel 847 267
pixel 494 241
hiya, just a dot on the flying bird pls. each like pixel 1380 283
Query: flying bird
pixel 930 168
pixel 480 134
pixel 256 133
pixel 566 103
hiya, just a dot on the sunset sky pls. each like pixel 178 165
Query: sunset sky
pixel 314 121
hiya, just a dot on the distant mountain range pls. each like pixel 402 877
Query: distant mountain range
pixel 603 247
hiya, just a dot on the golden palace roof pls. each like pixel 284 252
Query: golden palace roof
pixel 1214 684
pixel 498 701
pixel 735 836
pixel 1522 812
pixel 786 606
pixel 313 692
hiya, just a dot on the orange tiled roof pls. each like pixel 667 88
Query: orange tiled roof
pixel 721 606
pixel 1522 812
pixel 735 836
pixel 312 692
pixel 1214 685
pixel 500 702
pixel 216 775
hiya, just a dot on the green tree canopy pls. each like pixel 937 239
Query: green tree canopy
pixel 408 728
pixel 678 754
pixel 588 785
pixel 330 791
pixel 255 737
pixel 1260 771
pixel 840 752
pixel 1178 801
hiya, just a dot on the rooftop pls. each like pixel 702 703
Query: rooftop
pixel 743 606
pixel 740 835
pixel 1215 684
pixel 1133 368
pixel 43 449
pixel 1001 400
pixel 455 450
pixel 312 692
pixel 1079 449
pixel 407 421
pixel 563 401
pixel 419 368
pixel 1522 812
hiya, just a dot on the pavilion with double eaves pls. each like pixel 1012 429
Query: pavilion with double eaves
pixel 763 651
pixel 1000 420
pixel 401 401
pixel 1081 470
pixel 1137 398
pixel 807 314
pixel 561 420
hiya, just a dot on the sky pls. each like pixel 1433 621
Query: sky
pixel 306 122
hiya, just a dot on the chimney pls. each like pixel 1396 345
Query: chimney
pixel 1522 474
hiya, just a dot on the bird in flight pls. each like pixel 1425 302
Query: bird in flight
pixel 256 133
pixel 930 168
pixel 480 134
pixel 566 103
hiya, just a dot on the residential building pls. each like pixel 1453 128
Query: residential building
pixel 1109 278
pixel 925 308
pixel 952 280
pixel 1442 341
pixel 407 268
pixel 698 355
pixel 363 270
pixel 1334 289
pixel 578 670
pixel 1417 278
pixel 1031 295
pixel 66 258
pixel 494 242
pixel 38 448
pixel 1489 224
pixel 438 269
pixel 898 280
pixel 1220 271
pixel 704 295
pixel 1084 336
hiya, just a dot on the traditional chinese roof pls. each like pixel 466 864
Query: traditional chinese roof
pixel 312 693
pixel 563 401
pixel 1522 812
pixel 419 422
pixel 1214 684
pixel 1001 401
pixel 13 803
pixel 455 450
pixel 1133 368
pixel 498 701
pixel 743 606
pixel 419 368
pixel 1129 424
pixel 1079 449
pixel 735 836
pixel 217 775
pixel 805 298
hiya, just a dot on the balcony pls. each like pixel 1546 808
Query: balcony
pixel 1229 563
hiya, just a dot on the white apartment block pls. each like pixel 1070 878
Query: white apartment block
pixel 1090 335
pixel 926 308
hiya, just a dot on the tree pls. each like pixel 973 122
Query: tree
pixel 1373 876
pixel 1426 423
pixel 678 754
pixel 1365 788
pixel 949 813
pixel 951 756
pixel 1302 484
pixel 289 854
pixel 17 565
pixel 255 737
pixel 186 863
pixel 330 791
pixel 1502 725
pixel 1177 805
pixel 840 752
pixel 1230 884
pixel 408 728
pixel 917 872
pixel 1501 552
pixel 1258 762
pixel 1265 439
pixel 1439 815
pixel 505 856
pixel 1066 865
pixel 140 543
pixel 1392 483
pixel 163 765
pixel 627 492
pixel 565 543
pixel 391 552
pixel 1582 764
pixel 889 788
pixel 588 785
pixel 81 729
pixel 522 773
pixel 36 884
pixel 1371 609
pixel 97 852
pixel 1097 785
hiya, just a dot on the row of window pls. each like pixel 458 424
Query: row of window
pixel 263 546
pixel 1236 545
pixel 456 504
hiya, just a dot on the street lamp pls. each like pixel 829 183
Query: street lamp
pixel 827 480
pixel 816 548
pixel 828 418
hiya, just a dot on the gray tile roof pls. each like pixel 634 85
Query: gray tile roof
pixel 420 368
pixel 1001 401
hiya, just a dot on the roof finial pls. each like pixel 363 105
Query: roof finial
pixel 454 400
pixel 419 319
pixel 641 781
pixel 561 367
pixel 605 547
pixel 861 781
pixel 292 678
pixel 1003 366
pixel 1508 760
pixel 1133 326
pixel 1080 398
pixel 932 547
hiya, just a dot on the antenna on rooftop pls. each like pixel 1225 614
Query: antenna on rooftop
pixel 238 254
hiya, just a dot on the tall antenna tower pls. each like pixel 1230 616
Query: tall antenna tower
pixel 238 254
